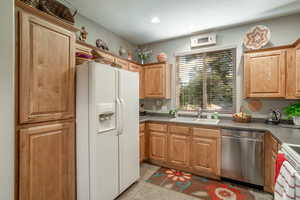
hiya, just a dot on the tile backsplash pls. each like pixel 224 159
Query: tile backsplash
pixel 258 108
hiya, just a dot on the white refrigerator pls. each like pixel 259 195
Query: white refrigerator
pixel 107 130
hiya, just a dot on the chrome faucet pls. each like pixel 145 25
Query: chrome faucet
pixel 199 113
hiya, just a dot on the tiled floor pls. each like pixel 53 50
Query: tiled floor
pixel 147 191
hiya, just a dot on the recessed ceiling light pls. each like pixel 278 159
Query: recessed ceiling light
pixel 155 20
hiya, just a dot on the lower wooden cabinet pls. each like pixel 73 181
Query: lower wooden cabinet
pixel 142 146
pixel 179 150
pixel 158 146
pixel 176 146
pixel 47 162
pixel 205 152
pixel 271 150
pixel 142 142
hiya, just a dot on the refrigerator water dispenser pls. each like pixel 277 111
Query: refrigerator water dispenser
pixel 106 117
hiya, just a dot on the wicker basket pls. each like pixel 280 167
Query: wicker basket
pixel 32 3
pixel 57 9
pixel 242 120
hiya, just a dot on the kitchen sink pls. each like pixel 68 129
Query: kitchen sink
pixel 196 120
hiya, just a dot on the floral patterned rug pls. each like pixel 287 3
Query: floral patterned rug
pixel 199 187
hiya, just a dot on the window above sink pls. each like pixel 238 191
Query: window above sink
pixel 206 80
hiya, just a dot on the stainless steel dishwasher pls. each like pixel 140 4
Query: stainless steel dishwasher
pixel 242 156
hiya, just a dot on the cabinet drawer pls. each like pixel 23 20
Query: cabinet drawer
pixel 179 129
pixel 106 57
pixel 142 127
pixel 82 49
pixel 158 127
pixel 134 67
pixel 206 132
pixel 122 63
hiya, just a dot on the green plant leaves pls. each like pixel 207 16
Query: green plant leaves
pixel 292 110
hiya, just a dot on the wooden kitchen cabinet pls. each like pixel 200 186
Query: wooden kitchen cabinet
pixel 124 64
pixel 46 72
pixel 271 151
pixel 157 80
pixel 45 102
pixel 47 162
pixel 194 149
pixel 297 68
pixel 142 142
pixel 134 67
pixel 179 149
pixel 293 72
pixel 142 83
pixel 205 151
pixel 265 73
pixel 158 146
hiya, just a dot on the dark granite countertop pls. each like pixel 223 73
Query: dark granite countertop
pixel 283 135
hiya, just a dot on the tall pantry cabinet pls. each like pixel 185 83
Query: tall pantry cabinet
pixel 45 108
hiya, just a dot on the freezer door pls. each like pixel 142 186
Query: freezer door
pixel 129 134
pixel 104 176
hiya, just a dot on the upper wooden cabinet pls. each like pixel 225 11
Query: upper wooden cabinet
pixel 47 162
pixel 134 67
pixel 293 72
pixel 142 83
pixel 273 72
pixel 122 63
pixel 206 151
pixel 46 70
pixel 297 68
pixel 265 74
pixel 157 80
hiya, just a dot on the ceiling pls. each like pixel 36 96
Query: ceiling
pixel 131 19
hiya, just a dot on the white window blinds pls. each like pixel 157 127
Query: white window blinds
pixel 206 80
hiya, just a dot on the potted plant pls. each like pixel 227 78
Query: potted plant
pixel 173 113
pixel 143 55
pixel 293 112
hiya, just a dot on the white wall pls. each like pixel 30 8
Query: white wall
pixel 97 31
pixel 7 100
pixel 284 30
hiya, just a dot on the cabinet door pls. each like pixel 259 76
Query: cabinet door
pixel 179 150
pixel 271 150
pixel 142 83
pixel 46 71
pixel 47 162
pixel 293 73
pixel 142 146
pixel 155 82
pixel 297 68
pixel 265 74
pixel 205 153
pixel 158 146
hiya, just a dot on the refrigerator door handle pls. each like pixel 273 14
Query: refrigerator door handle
pixel 122 115
pixel 119 112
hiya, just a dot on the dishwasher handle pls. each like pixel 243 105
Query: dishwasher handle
pixel 237 133
pixel 241 138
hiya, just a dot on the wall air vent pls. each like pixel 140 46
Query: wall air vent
pixel 203 40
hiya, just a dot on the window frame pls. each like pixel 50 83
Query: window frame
pixel 207 50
